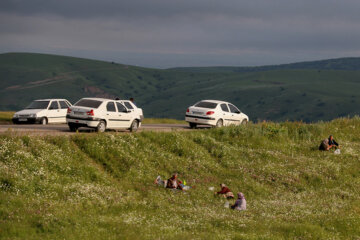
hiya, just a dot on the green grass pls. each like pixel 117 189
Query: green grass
pixel 306 91
pixel 162 121
pixel 100 186
pixel 5 117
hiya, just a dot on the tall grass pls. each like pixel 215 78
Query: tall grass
pixel 101 186
pixel 5 117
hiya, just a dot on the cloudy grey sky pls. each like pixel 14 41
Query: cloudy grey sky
pixel 169 33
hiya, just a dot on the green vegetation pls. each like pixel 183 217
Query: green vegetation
pixel 100 186
pixel 5 117
pixel 163 121
pixel 310 91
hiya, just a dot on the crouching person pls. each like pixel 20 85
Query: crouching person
pixel 328 143
pixel 240 203
pixel 225 192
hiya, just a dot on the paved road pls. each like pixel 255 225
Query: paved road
pixel 63 129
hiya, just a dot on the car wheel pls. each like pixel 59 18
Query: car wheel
pixel 73 128
pixel 244 122
pixel 43 121
pixel 134 126
pixel 219 123
pixel 192 125
pixel 101 127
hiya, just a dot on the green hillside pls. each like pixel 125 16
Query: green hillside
pixel 309 91
pixel 100 186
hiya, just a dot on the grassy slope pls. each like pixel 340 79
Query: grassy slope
pixel 272 93
pixel 99 186
pixel 5 117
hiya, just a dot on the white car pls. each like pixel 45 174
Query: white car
pixel 214 113
pixel 43 111
pixel 102 114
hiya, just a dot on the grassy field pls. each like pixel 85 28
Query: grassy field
pixel 305 91
pixel 100 186
pixel 163 121
pixel 5 117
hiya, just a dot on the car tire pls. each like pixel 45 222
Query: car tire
pixel 192 125
pixel 219 123
pixel 134 126
pixel 43 121
pixel 101 127
pixel 73 128
pixel 244 122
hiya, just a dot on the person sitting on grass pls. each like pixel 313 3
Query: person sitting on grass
pixel 225 192
pixel 174 183
pixel 171 183
pixel 328 143
pixel 240 203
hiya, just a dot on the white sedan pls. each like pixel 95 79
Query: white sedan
pixel 214 113
pixel 43 111
pixel 102 114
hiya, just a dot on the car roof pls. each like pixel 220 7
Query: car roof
pixel 99 99
pixel 214 101
pixel 105 99
pixel 51 99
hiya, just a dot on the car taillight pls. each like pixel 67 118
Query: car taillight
pixel 90 113
pixel 187 110
pixel 69 110
pixel 210 113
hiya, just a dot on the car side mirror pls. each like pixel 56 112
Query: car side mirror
pixel 238 112
pixel 126 111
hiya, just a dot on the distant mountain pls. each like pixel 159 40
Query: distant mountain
pixel 308 91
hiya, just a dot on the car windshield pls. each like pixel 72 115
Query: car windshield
pixel 88 103
pixel 38 105
pixel 206 105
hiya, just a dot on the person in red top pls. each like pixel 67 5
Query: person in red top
pixel 225 191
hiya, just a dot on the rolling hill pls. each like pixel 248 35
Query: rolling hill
pixel 309 91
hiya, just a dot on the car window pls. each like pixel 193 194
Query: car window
pixel 128 105
pixel 110 107
pixel 206 105
pixel 54 105
pixel 224 107
pixel 120 107
pixel 88 103
pixel 233 109
pixel 63 105
pixel 38 105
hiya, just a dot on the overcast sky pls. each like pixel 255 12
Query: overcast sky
pixel 169 33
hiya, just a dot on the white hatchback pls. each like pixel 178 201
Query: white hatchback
pixel 214 113
pixel 43 111
pixel 102 114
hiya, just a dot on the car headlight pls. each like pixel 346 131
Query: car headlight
pixel 33 115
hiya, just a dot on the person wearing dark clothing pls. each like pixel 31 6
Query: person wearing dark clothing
pixel 328 143
pixel 174 183
pixel 225 191
pixel 332 142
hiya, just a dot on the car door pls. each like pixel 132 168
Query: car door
pixel 128 105
pixel 226 115
pixel 125 115
pixel 63 110
pixel 111 115
pixel 235 114
pixel 54 114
